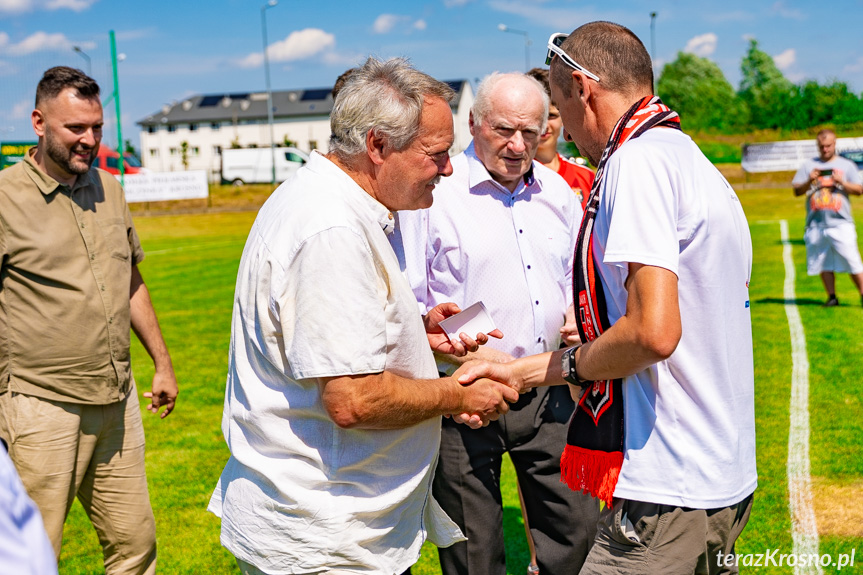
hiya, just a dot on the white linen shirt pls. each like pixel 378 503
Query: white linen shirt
pixel 512 250
pixel 320 293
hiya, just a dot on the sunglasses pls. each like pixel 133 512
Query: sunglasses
pixel 554 49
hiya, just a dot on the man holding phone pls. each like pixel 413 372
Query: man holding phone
pixel 831 238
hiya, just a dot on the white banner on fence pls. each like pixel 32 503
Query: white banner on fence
pixel 787 156
pixel 161 186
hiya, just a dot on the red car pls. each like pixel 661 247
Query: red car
pixel 109 160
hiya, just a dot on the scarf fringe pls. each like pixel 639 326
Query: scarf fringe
pixel 591 472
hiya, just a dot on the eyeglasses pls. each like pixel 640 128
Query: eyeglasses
pixel 554 49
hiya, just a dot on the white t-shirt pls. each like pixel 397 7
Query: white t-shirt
pixel 690 421
pixel 320 293
pixel 511 250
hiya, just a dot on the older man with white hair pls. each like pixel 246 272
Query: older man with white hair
pixel 333 407
pixel 502 230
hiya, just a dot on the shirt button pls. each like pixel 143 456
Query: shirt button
pixel 539 340
pixel 390 215
pixel 537 302
pixel 103 289
pixel 92 257
pixel 520 231
pixel 82 226
pixel 528 267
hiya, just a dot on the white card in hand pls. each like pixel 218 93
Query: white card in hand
pixel 471 321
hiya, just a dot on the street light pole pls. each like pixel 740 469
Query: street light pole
pixel 264 9
pixel 653 47
pixel 86 57
pixel 505 28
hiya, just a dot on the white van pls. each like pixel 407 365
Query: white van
pixel 255 165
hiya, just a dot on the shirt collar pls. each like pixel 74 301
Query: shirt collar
pixel 48 185
pixel 319 163
pixel 478 174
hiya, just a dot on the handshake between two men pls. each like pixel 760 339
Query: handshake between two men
pixel 494 379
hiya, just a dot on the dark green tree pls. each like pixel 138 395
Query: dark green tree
pixel 768 94
pixel 697 89
pixel 829 104
pixel 184 154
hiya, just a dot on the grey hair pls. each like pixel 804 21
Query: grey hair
pixel 484 102
pixel 383 96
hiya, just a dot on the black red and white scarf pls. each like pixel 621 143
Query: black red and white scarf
pixel 593 455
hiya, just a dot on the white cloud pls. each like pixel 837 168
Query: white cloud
pixel 252 60
pixel 703 45
pixel 785 60
pixel 41 42
pixel 20 6
pixel 74 5
pixel 14 6
pixel 854 67
pixel 455 3
pixel 386 22
pixel 791 13
pixel 299 45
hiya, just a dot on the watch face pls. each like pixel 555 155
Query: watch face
pixel 567 367
pixel 564 364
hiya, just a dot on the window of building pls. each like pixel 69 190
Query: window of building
pixel 172 128
pixel 152 129
pixel 154 152
pixel 217 150
pixel 172 151
pixel 193 127
pixel 215 126
pixel 195 150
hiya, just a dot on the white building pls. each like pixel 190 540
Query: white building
pixel 201 126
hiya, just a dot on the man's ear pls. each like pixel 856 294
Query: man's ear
pixel 375 147
pixel 581 87
pixel 471 123
pixel 37 118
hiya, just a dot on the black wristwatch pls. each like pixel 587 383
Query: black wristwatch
pixel 568 369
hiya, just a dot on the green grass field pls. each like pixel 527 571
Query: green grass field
pixel 191 269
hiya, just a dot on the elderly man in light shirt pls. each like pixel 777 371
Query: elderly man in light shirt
pixel 502 230
pixel 333 405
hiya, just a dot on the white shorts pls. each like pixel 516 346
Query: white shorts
pixel 832 249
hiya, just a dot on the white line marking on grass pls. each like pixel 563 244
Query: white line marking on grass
pixel 804 530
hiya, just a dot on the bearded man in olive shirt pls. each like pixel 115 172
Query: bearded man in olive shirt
pixel 69 291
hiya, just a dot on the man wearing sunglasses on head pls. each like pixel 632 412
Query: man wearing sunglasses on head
pixel 502 231
pixel 664 431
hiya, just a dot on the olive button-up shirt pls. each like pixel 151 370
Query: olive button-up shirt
pixel 66 257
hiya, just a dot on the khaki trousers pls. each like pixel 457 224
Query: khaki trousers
pixel 638 538
pixel 95 452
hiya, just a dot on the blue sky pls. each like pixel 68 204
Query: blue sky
pixel 178 48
